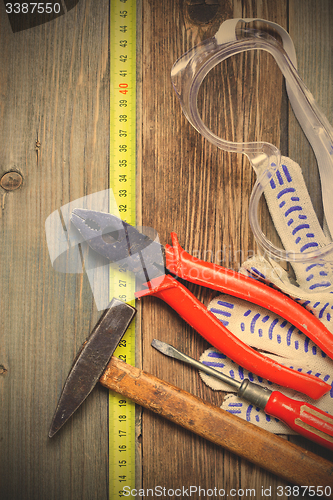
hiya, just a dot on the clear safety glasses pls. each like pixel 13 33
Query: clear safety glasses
pixel 233 37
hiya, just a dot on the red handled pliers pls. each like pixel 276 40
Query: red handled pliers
pixel 120 242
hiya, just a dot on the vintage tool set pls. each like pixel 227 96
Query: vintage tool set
pixel 157 270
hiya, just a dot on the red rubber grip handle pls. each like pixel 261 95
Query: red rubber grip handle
pixel 205 323
pixel 303 418
pixel 225 280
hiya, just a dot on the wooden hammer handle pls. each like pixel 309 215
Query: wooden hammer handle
pixel 280 457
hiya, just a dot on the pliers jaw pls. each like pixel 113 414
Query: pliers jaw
pixel 120 242
pixel 104 233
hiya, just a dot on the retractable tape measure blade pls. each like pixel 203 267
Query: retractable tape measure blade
pixel 122 182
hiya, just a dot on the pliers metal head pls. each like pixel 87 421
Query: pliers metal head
pixel 118 241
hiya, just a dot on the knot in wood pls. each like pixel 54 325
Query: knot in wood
pixel 203 11
pixel 11 181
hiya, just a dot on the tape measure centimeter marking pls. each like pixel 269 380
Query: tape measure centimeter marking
pixel 122 445
pixel 122 182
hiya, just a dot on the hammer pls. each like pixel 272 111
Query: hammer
pixel 95 363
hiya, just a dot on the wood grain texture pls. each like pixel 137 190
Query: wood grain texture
pixel 55 88
pixel 312 25
pixel 201 193
pixel 54 111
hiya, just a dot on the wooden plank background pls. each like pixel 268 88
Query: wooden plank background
pixel 54 109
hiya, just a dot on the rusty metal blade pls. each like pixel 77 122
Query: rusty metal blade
pixel 92 360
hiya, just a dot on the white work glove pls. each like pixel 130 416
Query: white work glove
pixel 299 230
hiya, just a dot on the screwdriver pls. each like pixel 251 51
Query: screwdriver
pixel 302 417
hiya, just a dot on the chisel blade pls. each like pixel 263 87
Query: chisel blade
pixel 92 360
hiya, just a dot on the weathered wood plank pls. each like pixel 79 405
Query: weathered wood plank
pixel 202 194
pixel 310 29
pixel 54 87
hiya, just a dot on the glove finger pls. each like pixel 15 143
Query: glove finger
pixel 268 332
pixel 319 303
pixel 297 224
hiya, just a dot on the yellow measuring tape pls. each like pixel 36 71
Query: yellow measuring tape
pixel 122 182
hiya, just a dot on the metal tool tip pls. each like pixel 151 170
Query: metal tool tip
pixel 162 347
pixel 52 433
pixel 55 426
pixel 76 217
pixel 59 419
pixel 79 212
pixel 157 344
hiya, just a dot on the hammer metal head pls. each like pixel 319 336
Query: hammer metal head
pixel 92 360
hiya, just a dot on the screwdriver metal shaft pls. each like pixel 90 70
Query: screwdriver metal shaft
pixel 302 417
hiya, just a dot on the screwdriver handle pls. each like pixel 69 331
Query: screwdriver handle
pixel 303 418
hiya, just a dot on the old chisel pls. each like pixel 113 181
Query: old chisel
pixel 282 458
pixel 91 360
